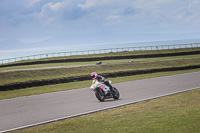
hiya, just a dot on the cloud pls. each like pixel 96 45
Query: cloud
pixel 63 11
pixel 50 12
pixel 34 39
pixel 189 14
pixel 58 5
pixel 44 18
pixel 32 2
pixel 112 17
pixel 87 4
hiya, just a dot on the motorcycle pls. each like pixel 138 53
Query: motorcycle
pixel 103 91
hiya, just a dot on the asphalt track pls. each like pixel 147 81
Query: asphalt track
pixel 38 109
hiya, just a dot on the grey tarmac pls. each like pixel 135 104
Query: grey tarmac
pixel 38 109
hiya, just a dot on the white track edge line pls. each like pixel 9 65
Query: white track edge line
pixel 85 113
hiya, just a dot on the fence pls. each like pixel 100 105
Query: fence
pixel 99 51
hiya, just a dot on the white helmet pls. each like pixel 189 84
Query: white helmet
pixel 94 75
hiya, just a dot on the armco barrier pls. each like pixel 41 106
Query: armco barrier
pixel 104 58
pixel 87 77
pixel 99 51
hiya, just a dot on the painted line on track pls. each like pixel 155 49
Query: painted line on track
pixel 103 109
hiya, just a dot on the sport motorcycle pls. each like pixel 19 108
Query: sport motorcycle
pixel 103 91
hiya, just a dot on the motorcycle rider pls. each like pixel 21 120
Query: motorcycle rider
pixel 95 76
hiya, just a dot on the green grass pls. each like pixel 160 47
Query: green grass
pixel 179 113
pixel 25 76
pixel 104 62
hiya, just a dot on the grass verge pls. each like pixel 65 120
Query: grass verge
pixel 104 62
pixel 48 74
pixel 178 113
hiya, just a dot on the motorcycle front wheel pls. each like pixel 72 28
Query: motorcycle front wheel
pixel 116 93
pixel 100 95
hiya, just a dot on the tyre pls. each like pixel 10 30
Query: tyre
pixel 116 93
pixel 100 96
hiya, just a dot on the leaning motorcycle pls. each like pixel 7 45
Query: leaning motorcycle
pixel 103 91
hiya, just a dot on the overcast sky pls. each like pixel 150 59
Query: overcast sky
pixel 98 21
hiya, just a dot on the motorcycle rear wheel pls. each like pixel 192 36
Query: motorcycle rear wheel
pixel 100 96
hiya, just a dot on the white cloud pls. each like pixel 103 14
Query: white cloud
pixel 189 14
pixel 44 17
pixel 50 12
pixel 153 8
pixel 34 39
pixel 87 4
pixel 113 17
pixel 59 5
pixel 194 11
pixel 32 2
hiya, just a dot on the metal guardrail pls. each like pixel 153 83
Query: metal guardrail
pixel 99 51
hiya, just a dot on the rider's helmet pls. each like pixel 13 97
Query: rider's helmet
pixel 94 75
